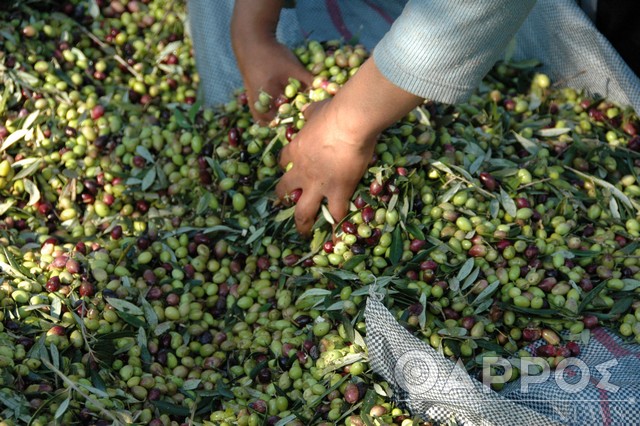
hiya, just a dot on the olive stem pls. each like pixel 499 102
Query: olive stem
pixel 73 386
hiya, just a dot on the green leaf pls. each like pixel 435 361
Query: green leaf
pixel 131 319
pixel 494 208
pixel 148 179
pixel 630 284
pixel 454 284
pixel 588 298
pixel 466 269
pixel 341 275
pixel 621 196
pixel 483 306
pixel 55 355
pixel 530 146
pixel 413 229
pixel 285 214
pixel 32 190
pixel 453 332
pixel 613 207
pixel 337 306
pixel 284 421
pixel 144 153
pixel 475 166
pixel 203 203
pixel 396 246
pixel 552 132
pixel 124 306
pixel 172 409
pixel 191 384
pixel 451 192
pixel 507 203
pixel 62 408
pixel 97 392
pixel 487 292
pixel 4 207
pixel 354 261
pixel 314 292
pixel 471 278
pixel 31 118
pixel 327 215
pixel 256 234
pixel 13 138
pixel 33 165
pixel 193 111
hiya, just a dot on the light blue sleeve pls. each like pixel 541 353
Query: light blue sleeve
pixel 441 49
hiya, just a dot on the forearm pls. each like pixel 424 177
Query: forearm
pixel 441 49
pixel 369 103
pixel 253 18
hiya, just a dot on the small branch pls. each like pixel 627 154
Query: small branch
pixel 73 386
pixel 109 50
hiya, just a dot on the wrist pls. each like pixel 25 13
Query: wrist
pixel 253 21
pixel 369 103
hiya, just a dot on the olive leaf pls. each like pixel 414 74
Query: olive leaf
pixel 32 165
pixel 507 203
pixel 62 408
pixel 144 153
pixel 124 306
pixel 530 146
pixel 488 291
pixel 285 214
pixel 13 138
pixel 621 196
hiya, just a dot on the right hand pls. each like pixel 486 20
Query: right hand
pixel 327 163
pixel 332 151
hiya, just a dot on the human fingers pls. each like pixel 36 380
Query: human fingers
pixel 285 188
pixel 338 206
pixel 306 211
pixel 286 156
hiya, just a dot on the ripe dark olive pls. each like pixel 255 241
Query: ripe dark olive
pixel 546 351
pixel 351 393
pixel 368 214
pixel 86 289
pixel 488 181
pixel 349 227
pixel 116 232
pixel 233 137
pixel 590 321
pixel 376 188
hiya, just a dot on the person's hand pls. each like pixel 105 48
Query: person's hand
pixel 326 164
pixel 265 64
pixel 331 153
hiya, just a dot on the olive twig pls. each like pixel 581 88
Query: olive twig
pixel 72 385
